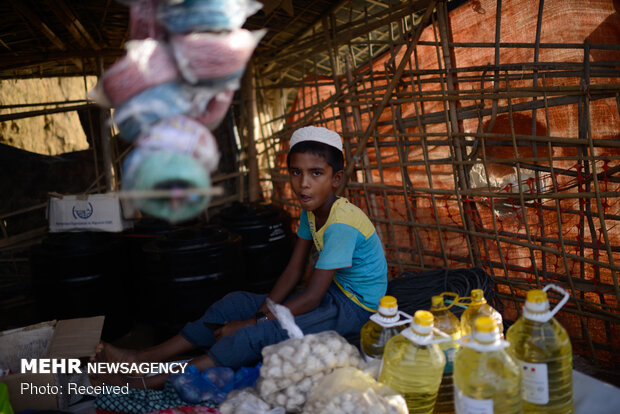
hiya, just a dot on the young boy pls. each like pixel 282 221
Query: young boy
pixel 349 277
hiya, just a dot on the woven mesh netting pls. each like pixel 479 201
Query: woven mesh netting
pixel 483 133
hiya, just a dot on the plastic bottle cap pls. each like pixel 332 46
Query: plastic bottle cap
pixel 536 305
pixel 536 296
pixel 437 301
pixel 485 324
pixel 477 295
pixel 486 335
pixel 388 307
pixel 388 302
pixel 423 318
pixel 422 325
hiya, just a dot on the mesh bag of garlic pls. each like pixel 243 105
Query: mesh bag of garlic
pixel 292 368
pixel 352 391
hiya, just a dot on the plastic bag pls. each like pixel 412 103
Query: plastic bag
pixel 147 63
pixel 213 383
pixel 143 21
pixel 293 367
pixel 214 55
pixel 206 15
pixel 349 390
pixel 135 117
pixel 214 109
pixel 247 402
pixel 193 388
pixel 186 136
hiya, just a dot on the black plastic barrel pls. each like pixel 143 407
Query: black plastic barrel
pixel 17 302
pixel 267 241
pixel 186 271
pixel 144 231
pixel 82 274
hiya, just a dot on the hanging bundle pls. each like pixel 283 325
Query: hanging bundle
pixel 173 87
pixel 142 20
pixel 214 55
pixel 148 170
pixel 205 15
pixel 215 109
pixel 135 117
pixel 186 136
pixel 147 63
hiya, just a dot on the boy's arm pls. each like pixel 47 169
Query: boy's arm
pixel 285 284
pixel 313 294
pixel 291 275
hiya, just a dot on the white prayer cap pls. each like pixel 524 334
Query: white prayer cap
pixel 317 134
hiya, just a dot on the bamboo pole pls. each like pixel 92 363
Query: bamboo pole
pixel 104 118
pixel 39 112
pixel 371 199
pixel 452 127
pixel 597 189
pixel 379 109
pixel 249 105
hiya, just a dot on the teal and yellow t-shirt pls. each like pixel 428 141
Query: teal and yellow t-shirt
pixel 349 243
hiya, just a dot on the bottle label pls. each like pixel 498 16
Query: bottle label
pixel 534 382
pixel 467 405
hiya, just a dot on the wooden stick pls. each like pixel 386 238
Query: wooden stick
pixel 174 193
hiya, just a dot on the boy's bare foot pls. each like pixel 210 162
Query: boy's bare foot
pixel 114 379
pixel 106 352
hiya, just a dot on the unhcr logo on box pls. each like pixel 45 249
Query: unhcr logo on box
pixel 82 210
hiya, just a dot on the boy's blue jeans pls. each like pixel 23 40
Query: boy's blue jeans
pixel 243 348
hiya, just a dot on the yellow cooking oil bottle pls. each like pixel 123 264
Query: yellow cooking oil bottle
pixel 487 379
pixel 413 364
pixel 386 323
pixel 449 324
pixel 543 349
pixel 479 307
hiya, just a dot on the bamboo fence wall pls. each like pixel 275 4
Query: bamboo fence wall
pixel 483 136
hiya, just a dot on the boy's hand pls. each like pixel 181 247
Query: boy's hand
pixel 230 328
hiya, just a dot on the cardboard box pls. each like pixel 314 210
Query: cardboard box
pixel 71 338
pixel 94 212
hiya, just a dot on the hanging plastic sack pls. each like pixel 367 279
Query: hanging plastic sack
pixel 205 15
pixel 349 390
pixel 184 135
pixel 147 170
pixel 247 402
pixel 136 116
pixel 143 20
pixel 147 63
pixel 214 55
pixel 292 368
pixel 213 110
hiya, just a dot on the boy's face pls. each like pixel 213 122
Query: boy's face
pixel 313 180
